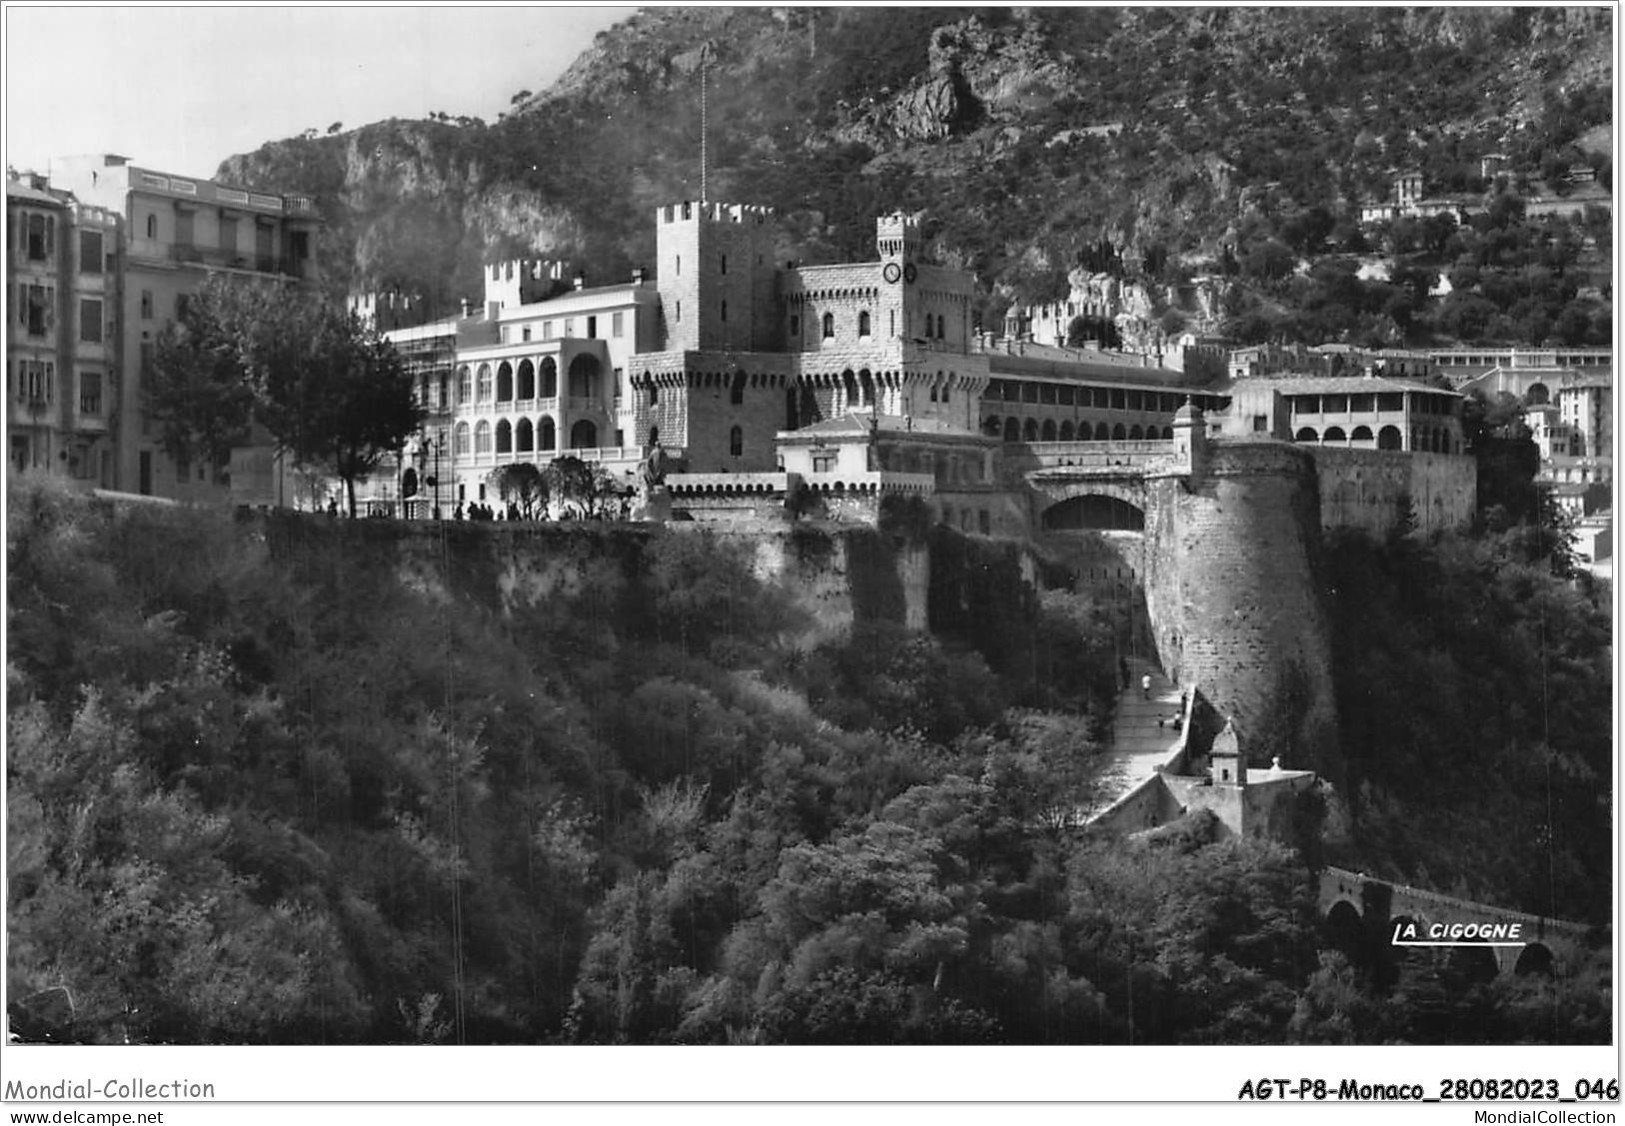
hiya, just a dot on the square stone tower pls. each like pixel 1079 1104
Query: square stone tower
pixel 717 276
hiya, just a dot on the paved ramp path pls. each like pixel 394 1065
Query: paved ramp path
pixel 1138 745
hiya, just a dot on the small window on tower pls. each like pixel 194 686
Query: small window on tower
pixel 829 326
pixel 863 323
pixel 724 264
pixel 724 310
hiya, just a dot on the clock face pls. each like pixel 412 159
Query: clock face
pixel 892 272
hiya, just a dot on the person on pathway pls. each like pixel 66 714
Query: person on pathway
pixel 1122 671
pixel 1145 686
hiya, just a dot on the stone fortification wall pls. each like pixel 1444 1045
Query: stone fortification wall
pixel 1230 573
pixel 1371 489
pixel 1147 805
pixel 842 575
pixel 836 575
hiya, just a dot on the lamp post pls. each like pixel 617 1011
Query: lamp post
pixel 436 448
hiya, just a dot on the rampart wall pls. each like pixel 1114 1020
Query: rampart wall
pixel 1231 559
pixel 1371 489
pixel 835 574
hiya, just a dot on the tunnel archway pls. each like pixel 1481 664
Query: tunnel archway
pixel 1094 512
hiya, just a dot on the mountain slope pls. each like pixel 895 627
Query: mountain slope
pixel 1037 142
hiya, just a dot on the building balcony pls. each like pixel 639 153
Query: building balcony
pixel 221 258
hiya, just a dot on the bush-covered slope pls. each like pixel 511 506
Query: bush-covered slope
pixel 1475 704
pixel 283 783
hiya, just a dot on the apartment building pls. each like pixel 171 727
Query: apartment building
pixel 63 355
pixel 178 230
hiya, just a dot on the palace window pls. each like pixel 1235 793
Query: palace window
pixel 829 326
pixel 90 252
pixel 483 384
pixel 37 313
pixel 90 320
pixel 863 323
pixel 616 325
pixel 39 376
pixel 459 447
pixel 41 237
pixel 482 438
pixel 736 442
pixel 90 392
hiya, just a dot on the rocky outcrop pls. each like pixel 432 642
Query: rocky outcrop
pixel 1028 135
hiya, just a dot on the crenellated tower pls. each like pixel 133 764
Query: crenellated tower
pixel 522 281
pixel 717 276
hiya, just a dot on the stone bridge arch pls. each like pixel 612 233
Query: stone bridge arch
pixel 1129 490
pixel 1098 511
pixel 1379 907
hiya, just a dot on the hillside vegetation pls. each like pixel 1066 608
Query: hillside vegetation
pixel 267 783
pixel 1042 145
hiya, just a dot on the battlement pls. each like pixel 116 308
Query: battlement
pixel 897 235
pixel 522 281
pixel 690 210
pixel 524 268
pixel 387 310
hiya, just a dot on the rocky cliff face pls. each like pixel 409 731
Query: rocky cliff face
pixel 1024 136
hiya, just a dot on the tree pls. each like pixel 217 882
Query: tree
pixel 332 393
pixel 573 481
pixel 197 391
pixel 526 485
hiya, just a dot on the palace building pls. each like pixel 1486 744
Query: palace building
pixel 741 362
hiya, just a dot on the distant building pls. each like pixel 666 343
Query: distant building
pixel 178 230
pixel 1518 367
pixel 1586 406
pixel 1327 360
pixel 1407 201
pixel 62 349
pixel 1360 412
pixel 1554 437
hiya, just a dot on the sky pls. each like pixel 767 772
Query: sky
pixel 181 88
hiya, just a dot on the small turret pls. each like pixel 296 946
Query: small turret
pixel 1228 767
pixel 1190 439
